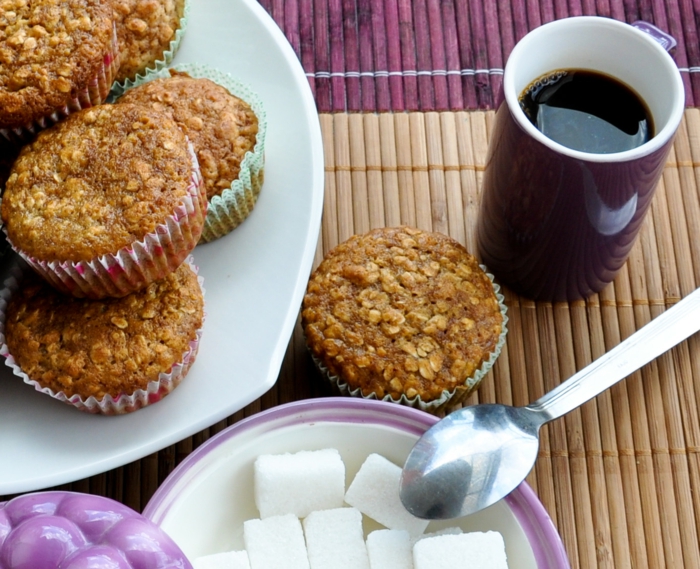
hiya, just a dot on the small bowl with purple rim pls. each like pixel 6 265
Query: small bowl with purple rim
pixel 70 530
pixel 203 503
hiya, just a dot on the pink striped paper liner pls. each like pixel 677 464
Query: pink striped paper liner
pixel 134 266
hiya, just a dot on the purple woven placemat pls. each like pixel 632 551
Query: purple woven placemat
pixel 433 55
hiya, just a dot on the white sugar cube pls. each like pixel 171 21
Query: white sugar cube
pixel 275 542
pixel 389 549
pixel 375 492
pixel 224 560
pixel 473 550
pixel 454 530
pixel 299 483
pixel 335 540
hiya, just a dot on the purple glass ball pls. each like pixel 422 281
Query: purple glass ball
pixel 68 530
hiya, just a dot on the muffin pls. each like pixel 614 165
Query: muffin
pixel 106 356
pixel 403 315
pixel 106 201
pixel 54 59
pixel 226 132
pixel 148 32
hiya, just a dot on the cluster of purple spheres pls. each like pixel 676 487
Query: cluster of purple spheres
pixel 66 530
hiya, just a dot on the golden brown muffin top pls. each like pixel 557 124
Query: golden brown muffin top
pixel 49 49
pixel 98 347
pixel 401 311
pixel 145 29
pixel 96 182
pixel 221 127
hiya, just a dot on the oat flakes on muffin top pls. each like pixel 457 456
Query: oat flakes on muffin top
pixel 96 182
pixel 100 347
pixel 49 49
pixel 399 311
pixel 145 29
pixel 221 127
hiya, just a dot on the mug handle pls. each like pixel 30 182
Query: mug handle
pixel 667 41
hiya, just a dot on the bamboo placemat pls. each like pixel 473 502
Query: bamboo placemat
pixel 428 55
pixel 620 476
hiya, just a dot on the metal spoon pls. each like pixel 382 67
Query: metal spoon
pixel 477 455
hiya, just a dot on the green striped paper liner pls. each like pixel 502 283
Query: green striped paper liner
pixel 119 89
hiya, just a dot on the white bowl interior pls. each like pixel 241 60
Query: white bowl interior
pixel 204 503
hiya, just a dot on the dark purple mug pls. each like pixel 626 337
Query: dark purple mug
pixel 557 223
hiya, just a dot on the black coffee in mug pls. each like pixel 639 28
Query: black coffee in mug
pixel 587 111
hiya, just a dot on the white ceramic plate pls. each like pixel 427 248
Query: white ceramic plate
pixel 254 278
pixel 202 505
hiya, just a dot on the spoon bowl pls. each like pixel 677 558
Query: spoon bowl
pixel 501 444
pixel 477 455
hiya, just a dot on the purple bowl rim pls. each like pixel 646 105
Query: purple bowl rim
pixel 523 502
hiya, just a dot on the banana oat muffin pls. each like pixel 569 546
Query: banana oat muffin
pixel 403 315
pixel 55 58
pixel 221 127
pixel 109 350
pixel 106 201
pixel 145 29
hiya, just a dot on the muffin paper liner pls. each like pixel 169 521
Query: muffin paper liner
pixel 448 400
pixel 229 209
pixel 119 88
pixel 124 403
pixel 94 93
pixel 136 265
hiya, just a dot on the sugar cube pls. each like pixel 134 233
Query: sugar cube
pixel 224 560
pixel 335 540
pixel 473 550
pixel 375 492
pixel 299 483
pixel 453 530
pixel 277 541
pixel 389 549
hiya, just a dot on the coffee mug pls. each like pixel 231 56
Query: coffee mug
pixel 556 222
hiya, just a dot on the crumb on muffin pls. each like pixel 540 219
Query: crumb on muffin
pixel 221 127
pixel 100 347
pixel 401 312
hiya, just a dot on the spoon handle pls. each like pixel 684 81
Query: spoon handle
pixel 661 334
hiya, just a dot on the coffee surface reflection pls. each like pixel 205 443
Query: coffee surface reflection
pixel 587 111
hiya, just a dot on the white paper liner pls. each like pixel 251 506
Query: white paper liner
pixel 94 93
pixel 229 209
pixel 447 398
pixel 139 264
pixel 125 403
pixel 118 89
